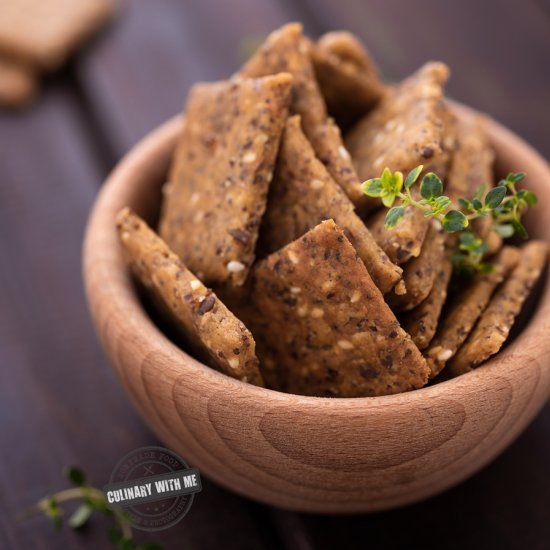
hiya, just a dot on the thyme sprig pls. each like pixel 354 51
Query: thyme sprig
pixel 91 500
pixel 503 203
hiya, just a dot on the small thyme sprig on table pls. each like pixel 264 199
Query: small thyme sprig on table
pixel 91 499
pixel 504 203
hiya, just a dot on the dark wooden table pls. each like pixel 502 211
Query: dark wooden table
pixel 59 400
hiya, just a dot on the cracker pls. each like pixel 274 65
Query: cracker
pixel 322 325
pixel 221 172
pixel 421 322
pixel 405 129
pixel 472 166
pixel 404 241
pixel 45 32
pixel 419 273
pixel 18 84
pixel 465 310
pixel 287 50
pixel 303 194
pixel 208 326
pixel 494 326
pixel 348 78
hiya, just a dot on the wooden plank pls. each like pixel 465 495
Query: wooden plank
pixel 59 402
pixel 497 51
pixel 137 75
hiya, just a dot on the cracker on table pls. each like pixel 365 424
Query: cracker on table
pixel 208 326
pixel 18 83
pixel 465 309
pixel 220 176
pixel 303 194
pixel 322 325
pixel 405 129
pixel 403 242
pixel 419 274
pixel 287 50
pixel 45 32
pixel 421 322
pixel 348 78
pixel 494 325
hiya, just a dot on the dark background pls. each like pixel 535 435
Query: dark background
pixel 60 402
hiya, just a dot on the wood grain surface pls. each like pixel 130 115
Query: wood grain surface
pixel 59 401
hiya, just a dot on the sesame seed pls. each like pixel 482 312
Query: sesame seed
pixel 302 311
pixel 345 344
pixel 295 289
pixel 343 152
pixel 292 257
pixel 269 177
pixel 249 157
pixel 316 184
pixel 445 354
pixel 194 198
pixel 378 162
pixel 233 363
pixel 355 296
pixel 195 285
pixel 327 285
pixel 317 312
pixel 125 236
pixel 235 266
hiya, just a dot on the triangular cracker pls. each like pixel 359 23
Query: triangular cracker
pixel 347 76
pixel 303 194
pixel 208 326
pixel 465 309
pixel 494 325
pixel 220 177
pixel 286 49
pixel 322 326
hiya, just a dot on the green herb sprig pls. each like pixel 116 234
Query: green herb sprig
pixel 504 203
pixel 91 499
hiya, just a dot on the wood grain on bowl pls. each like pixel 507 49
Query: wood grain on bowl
pixel 307 453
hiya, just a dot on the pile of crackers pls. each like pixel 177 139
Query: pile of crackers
pixel 37 36
pixel 275 266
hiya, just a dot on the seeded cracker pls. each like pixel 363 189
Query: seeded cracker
pixel 45 32
pixel 419 274
pixel 421 322
pixel 287 50
pixel 324 325
pixel 404 130
pixel 494 326
pixel 303 194
pixel 17 83
pixel 220 177
pixel 200 316
pixel 472 166
pixel 465 310
pixel 404 241
pixel 348 78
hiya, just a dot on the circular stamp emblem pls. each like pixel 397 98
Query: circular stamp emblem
pixel 154 486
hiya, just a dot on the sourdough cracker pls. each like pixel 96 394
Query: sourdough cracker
pixel 494 325
pixel 419 274
pixel 208 326
pixel 287 50
pixel 303 194
pixel 322 326
pixel 467 306
pixel 45 32
pixel 403 242
pixel 221 172
pixel 348 78
pixel 421 322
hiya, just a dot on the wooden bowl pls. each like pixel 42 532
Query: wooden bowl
pixel 304 453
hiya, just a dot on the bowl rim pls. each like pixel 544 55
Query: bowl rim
pixel 102 257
